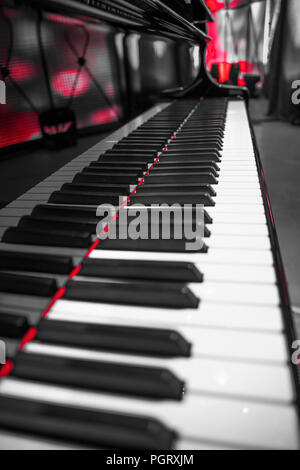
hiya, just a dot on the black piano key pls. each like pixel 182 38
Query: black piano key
pixel 27 285
pixel 95 428
pixel 129 173
pixel 123 339
pixel 183 188
pixel 187 152
pixel 184 166
pixel 13 326
pixel 101 169
pixel 146 382
pixel 88 178
pixel 207 136
pixel 166 125
pixel 192 178
pixel 129 157
pixel 190 134
pixel 172 198
pixel 159 140
pixel 146 270
pixel 185 146
pixel 195 188
pixel 164 246
pixel 75 212
pixel 94 188
pixel 144 141
pixel 46 238
pixel 118 166
pixel 11 260
pixel 204 123
pixel 189 157
pixel 146 294
pixel 165 170
pixel 139 147
pixel 58 224
pixel 113 178
pixel 121 161
pixel 145 153
pixel 84 198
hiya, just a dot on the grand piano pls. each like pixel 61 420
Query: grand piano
pixel 143 344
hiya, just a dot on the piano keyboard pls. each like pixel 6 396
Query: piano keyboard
pixel 142 344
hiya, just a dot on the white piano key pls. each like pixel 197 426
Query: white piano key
pixel 46 190
pixel 25 301
pixel 239 218
pixel 254 193
pixel 240 230
pixel 237 292
pixel 243 186
pixel 238 422
pixel 214 255
pixel 232 178
pixel 31 200
pixel 20 204
pixel 43 249
pixel 238 174
pixel 11 441
pixel 232 273
pixel 255 210
pixel 209 314
pixel 27 206
pixel 239 242
pixel 201 375
pixel 242 165
pixel 15 212
pixel 61 178
pixel 240 200
pixel 9 221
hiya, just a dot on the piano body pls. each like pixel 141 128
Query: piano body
pixel 141 344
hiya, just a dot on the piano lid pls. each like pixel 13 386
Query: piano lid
pixel 172 18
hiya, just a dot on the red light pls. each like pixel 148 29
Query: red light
pixel 105 115
pixel 109 90
pixel 59 294
pixel 63 19
pixel 63 82
pixel 241 81
pixel 93 247
pixel 11 13
pixel 20 70
pixel 29 336
pixel 75 271
pixel 215 5
pixel 6 369
pixel 18 127
pixel 224 71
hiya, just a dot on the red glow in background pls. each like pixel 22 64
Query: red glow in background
pixel 105 115
pixel 62 80
pixel 217 54
pixel 18 121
